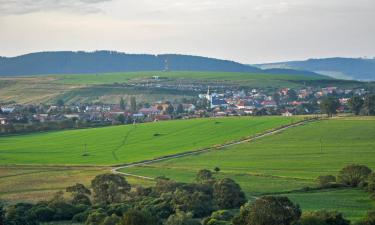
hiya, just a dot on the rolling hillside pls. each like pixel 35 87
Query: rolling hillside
pixel 341 68
pixel 42 63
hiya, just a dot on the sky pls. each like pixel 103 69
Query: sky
pixel 247 31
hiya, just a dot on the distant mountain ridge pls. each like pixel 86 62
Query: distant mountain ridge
pixel 68 62
pixel 343 68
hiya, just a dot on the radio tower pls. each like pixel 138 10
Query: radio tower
pixel 166 65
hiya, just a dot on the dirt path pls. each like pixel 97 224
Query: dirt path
pixel 180 155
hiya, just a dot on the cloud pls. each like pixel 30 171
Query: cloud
pixel 15 7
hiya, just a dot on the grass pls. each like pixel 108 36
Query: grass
pixel 288 161
pixel 129 143
pixel 104 87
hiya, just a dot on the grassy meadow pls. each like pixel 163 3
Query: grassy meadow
pixel 288 161
pixel 129 143
pixel 104 87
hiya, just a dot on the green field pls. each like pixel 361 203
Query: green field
pixel 129 143
pixel 288 161
pixel 105 87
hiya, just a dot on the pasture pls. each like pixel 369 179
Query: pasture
pixel 129 143
pixel 288 161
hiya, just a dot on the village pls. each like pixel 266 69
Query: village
pixel 16 118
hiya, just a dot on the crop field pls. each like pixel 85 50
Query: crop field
pixel 287 161
pixel 104 87
pixel 129 143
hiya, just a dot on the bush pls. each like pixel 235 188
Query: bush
pixel 353 175
pixel 269 210
pixel 43 213
pixel 326 181
pixel 137 217
pixel 324 218
pixel 228 194
pixel 371 183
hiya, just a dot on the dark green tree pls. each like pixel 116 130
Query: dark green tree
pixel 121 118
pixel 292 95
pixel 369 105
pixel 20 214
pixel 2 214
pixel 60 102
pixel 356 104
pixel 326 180
pixel 217 169
pixel 324 218
pixel 109 188
pixel 137 217
pixel 122 103
pixel 353 175
pixel 182 218
pixel 269 210
pixel 180 109
pixel 228 194
pixel 170 109
pixel 133 104
pixel 329 106
pixel 204 176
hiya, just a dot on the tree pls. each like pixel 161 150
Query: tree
pixel 181 218
pixel 111 220
pixel 60 102
pixel 217 169
pixel 2 214
pixel 121 118
pixel 170 109
pixel 109 188
pixel 180 109
pixel 228 194
pixel 356 104
pixel 137 217
pixel 292 95
pixel 269 210
pixel 371 183
pixel 133 104
pixel 276 98
pixel 122 103
pixel 329 106
pixel 324 218
pixel 353 175
pixel 204 176
pixel 369 105
pixel 326 181
pixel 198 203
pixel 20 214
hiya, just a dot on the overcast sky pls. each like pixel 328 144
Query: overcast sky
pixel 248 31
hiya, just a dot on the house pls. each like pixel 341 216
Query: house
pixel 217 102
pixel 269 104
pixel 287 113
pixel 3 121
pixel 149 111
pixel 7 109
pixel 188 107
pixel 162 117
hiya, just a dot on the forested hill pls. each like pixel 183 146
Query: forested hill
pixel 347 68
pixel 108 61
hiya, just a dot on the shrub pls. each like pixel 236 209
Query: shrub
pixel 228 194
pixel 324 218
pixel 326 181
pixel 353 175
pixel 137 217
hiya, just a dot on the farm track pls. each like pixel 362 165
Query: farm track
pixel 180 155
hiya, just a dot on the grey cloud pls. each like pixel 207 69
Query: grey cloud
pixel 10 7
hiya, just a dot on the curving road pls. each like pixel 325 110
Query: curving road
pixel 180 155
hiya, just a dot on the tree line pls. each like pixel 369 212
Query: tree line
pixel 208 201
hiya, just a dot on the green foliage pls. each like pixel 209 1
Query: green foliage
pixel 180 109
pixel 96 217
pixel 199 203
pixel 329 106
pixel 182 218
pixel 2 214
pixel 326 181
pixel 356 104
pixel 369 105
pixel 133 104
pixel 228 194
pixel 122 103
pixel 137 217
pixel 324 218
pixel 269 210
pixel 371 183
pixel 353 175
pixel 20 214
pixel 111 220
pixel 204 176
pixel 109 188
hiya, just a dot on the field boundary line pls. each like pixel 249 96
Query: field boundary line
pixel 116 169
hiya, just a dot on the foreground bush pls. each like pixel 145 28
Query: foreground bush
pixel 354 175
pixel 323 218
pixel 269 210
